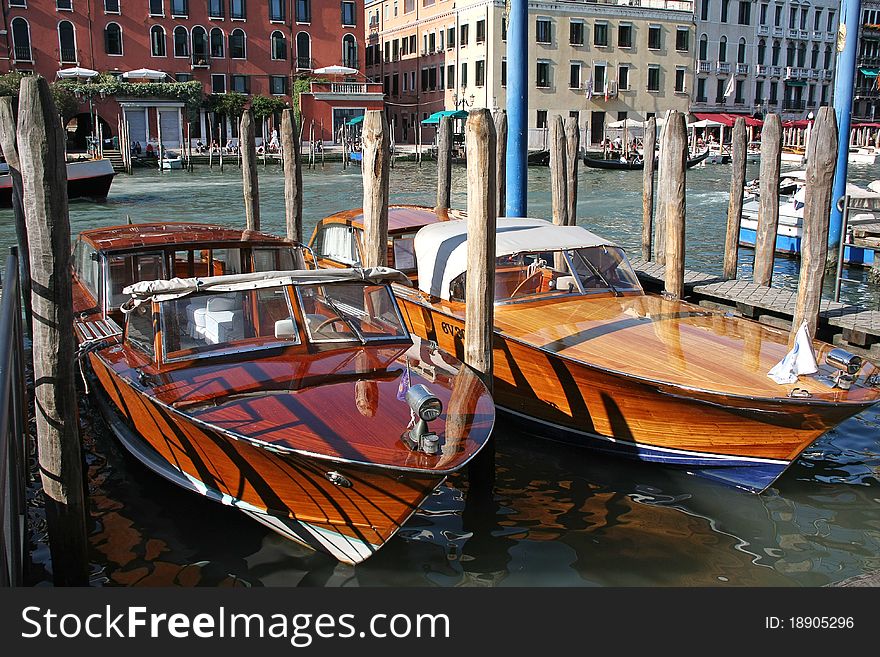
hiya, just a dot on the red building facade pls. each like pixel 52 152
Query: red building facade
pixel 250 46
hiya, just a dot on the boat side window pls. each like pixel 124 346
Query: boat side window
pixel 140 331
pixel 350 312
pixel 277 259
pixel 225 261
pixel 404 253
pixel 128 268
pixel 337 242
pixel 603 269
pixel 87 267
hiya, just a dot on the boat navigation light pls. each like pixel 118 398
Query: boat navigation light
pixel 427 407
pixel 848 365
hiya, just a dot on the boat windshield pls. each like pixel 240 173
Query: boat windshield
pixel 351 312
pixel 211 324
pixel 527 276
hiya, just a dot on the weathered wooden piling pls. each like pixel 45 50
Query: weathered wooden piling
pixel 558 171
pixel 292 164
pixel 659 246
pixel 10 151
pixel 44 181
pixel 673 164
pixel 768 209
pixel 444 164
pixel 250 183
pixel 375 159
pixel 322 143
pixel 817 209
pixel 573 146
pixel 500 119
pixel 739 144
pixel 161 152
pixel 648 148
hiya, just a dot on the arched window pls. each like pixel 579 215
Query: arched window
pixel 802 55
pixel 814 58
pixel 741 52
pixel 199 45
pixel 762 51
pixel 237 49
pixel 181 42
pixel 776 49
pixel 67 42
pixel 279 45
pixel 113 39
pixel 21 40
pixel 722 49
pixel 217 43
pixel 157 41
pixel 303 50
pixel 349 51
pixel 789 54
pixel 827 57
pixel 704 48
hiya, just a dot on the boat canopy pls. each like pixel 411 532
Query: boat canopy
pixel 175 288
pixel 441 248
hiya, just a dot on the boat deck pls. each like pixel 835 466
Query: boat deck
pixel 849 326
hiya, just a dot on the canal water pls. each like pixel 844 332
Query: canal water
pixel 558 516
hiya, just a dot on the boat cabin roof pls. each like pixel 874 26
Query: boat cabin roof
pixel 401 218
pixel 134 236
pixel 441 249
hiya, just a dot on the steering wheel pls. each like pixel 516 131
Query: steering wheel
pixel 538 272
pixel 332 320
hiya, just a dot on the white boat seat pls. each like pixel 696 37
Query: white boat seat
pixel 566 284
pixel 285 328
pixel 196 327
pixel 223 325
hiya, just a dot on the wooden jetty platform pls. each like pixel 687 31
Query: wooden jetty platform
pixel 854 328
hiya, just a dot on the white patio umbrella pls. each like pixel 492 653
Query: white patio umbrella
pixel 145 73
pixel 336 70
pixel 77 72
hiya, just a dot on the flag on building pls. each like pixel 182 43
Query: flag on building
pixel 730 87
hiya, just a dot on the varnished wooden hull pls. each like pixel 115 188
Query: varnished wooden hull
pixel 746 441
pixel 287 492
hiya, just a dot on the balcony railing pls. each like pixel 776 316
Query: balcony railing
pixel 818 35
pixel 704 67
pixel 803 34
pixel 763 30
pixel 775 71
pixel 831 36
pixel 347 88
pixel 23 54
pixel 813 74
pixel 795 73
pixel 760 70
pixel 305 63
pixel 68 56
pixel 828 74
pixel 742 69
pixel 792 34
pixel 609 89
pixel 722 67
pixel 201 60
pixel 794 105
pixel 778 32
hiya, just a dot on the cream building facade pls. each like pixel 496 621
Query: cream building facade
pixel 603 61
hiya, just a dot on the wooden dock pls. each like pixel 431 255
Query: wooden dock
pixel 851 327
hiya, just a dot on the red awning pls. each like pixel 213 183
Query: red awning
pixel 800 123
pixel 865 125
pixel 728 119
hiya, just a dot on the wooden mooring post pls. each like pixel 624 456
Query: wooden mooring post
pixel 573 146
pixel 376 154
pixel 44 181
pixel 768 209
pixel 10 151
pixel 739 144
pixel 444 164
pixel 292 164
pixel 673 164
pixel 250 183
pixel 558 171
pixel 500 118
pixel 817 209
pixel 648 148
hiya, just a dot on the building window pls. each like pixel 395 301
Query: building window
pixel 543 75
pixel 199 46
pixel 817 19
pixel 654 37
pixel 278 85
pixel 719 92
pixel 503 28
pixel 653 78
pixel 762 51
pixel 218 83
pixel 67 42
pixel 450 76
pixel 682 39
pixel 237 44
pixel 542 30
pixel 181 42
pixel 113 39
pixel 777 16
pixel 802 55
pixel 774 93
pixel 183 77
pixel 303 11
pixel 624 35
pixel 704 48
pixel 574 76
pixel 722 49
pixel 745 15
pixel 215 8
pixel 774 61
pixel 738 98
pixel 349 51
pixel 759 92
pixel 303 50
pixel 763 19
pixel 349 15
pixel 450 38
pixel 463 37
pixel 704 10
pixel 724 4
pixel 701 90
pixel 480 73
pixel 237 9
pixel 599 78
pixel 790 54
pixel 278 45
pixel 541 120
pixel 503 72
pixel 814 56
pixel 576 33
pixel 481 31
pixel 60 5
pixel 157 41
pixel 217 43
pixel 623 77
pixel 276 10
pixel 824 100
pixel 463 77
pixel 111 6
pixel 241 83
pixel 157 8
pixel 180 7
pixel 680 80
pixel 741 51
pixel 600 34
pixel 827 57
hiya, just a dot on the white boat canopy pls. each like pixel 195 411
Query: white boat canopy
pixel 441 248
pixel 175 288
pixel 77 72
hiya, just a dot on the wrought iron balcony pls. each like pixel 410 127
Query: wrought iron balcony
pixel 794 105
pixel 68 56
pixel 23 54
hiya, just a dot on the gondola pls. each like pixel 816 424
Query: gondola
pixel 636 164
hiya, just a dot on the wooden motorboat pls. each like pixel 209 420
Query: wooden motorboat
pixel 582 354
pixel 298 397
pixel 86 179
pixel 636 163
